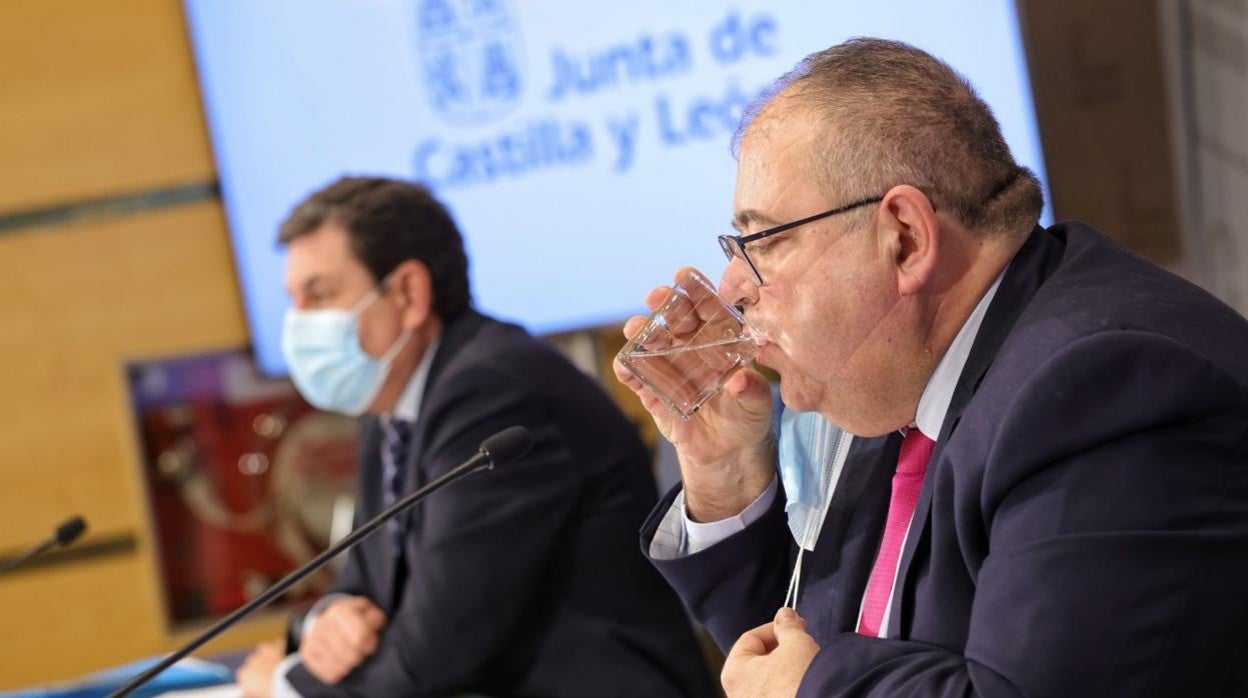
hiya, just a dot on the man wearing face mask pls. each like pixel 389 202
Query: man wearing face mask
pixel 521 581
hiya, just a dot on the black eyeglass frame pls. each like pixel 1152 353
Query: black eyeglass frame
pixel 734 245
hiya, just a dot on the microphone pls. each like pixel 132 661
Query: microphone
pixel 66 533
pixel 506 446
pixel 502 448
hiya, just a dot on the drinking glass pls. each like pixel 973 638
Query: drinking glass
pixel 690 345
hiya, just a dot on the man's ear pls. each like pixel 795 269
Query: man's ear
pixel 412 287
pixel 911 237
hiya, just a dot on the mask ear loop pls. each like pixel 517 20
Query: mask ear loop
pixel 795 581
pixel 364 302
pixel 394 350
pixel 371 296
pixel 368 300
pixel 406 335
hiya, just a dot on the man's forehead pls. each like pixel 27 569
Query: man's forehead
pixel 320 255
pixel 786 113
pixel 303 278
pixel 781 141
pixel 774 157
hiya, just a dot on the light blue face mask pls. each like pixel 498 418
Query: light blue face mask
pixel 808 468
pixel 812 454
pixel 326 362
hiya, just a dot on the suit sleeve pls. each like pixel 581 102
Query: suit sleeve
pixel 1114 507
pixel 352 577
pixel 480 547
pixel 735 584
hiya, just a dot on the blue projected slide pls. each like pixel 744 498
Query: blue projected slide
pixel 582 146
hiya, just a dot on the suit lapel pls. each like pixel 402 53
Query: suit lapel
pixel 851 528
pixel 455 335
pixel 1033 263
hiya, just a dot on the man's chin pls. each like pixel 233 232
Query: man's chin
pixel 794 398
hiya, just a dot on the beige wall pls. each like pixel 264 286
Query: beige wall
pixel 98 99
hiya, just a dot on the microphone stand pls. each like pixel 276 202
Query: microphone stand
pixel 17 561
pixel 65 534
pixel 481 461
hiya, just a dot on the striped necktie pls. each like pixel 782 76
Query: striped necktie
pixel 396 437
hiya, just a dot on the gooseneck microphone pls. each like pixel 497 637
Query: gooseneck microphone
pixel 65 534
pixel 502 448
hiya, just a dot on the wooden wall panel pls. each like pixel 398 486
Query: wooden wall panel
pixel 96 98
pixel 84 300
pixel 80 301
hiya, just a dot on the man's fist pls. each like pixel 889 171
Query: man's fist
pixel 341 637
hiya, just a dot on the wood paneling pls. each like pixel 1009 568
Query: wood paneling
pixel 80 301
pixel 96 98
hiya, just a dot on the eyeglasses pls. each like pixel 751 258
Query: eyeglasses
pixel 734 245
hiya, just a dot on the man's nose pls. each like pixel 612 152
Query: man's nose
pixel 737 284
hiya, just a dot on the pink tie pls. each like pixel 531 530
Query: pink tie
pixel 916 450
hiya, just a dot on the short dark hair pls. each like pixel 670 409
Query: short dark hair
pixel 388 222
pixel 894 114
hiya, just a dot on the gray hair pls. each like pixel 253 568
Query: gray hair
pixel 892 114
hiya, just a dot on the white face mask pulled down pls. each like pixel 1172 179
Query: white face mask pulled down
pixel 812 455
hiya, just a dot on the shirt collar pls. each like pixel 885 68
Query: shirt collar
pixel 934 403
pixel 408 406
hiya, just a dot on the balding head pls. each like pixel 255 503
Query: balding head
pixel 883 113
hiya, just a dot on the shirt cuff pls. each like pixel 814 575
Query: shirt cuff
pixel 700 536
pixel 678 536
pixel 281 685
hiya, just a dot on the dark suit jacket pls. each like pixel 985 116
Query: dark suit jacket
pixel 1083 526
pixel 524 580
